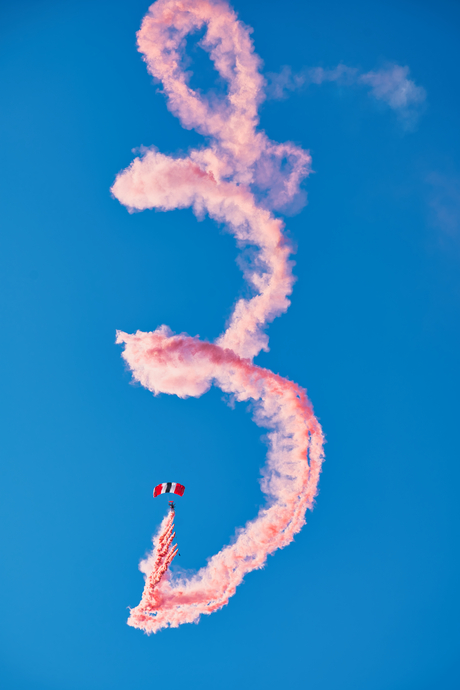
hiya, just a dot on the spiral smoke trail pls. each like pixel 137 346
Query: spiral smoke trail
pixel 239 179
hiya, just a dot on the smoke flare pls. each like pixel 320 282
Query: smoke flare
pixel 238 180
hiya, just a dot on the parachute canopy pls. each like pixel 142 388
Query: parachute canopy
pixel 169 488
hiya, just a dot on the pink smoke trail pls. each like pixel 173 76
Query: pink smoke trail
pixel 237 179
pixel 163 555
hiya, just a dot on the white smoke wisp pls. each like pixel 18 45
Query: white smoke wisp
pixel 390 84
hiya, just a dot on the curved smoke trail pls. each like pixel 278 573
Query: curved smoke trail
pixel 239 179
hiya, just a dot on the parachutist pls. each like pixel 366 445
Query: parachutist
pixel 173 507
pixel 168 488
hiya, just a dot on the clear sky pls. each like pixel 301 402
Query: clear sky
pixel 366 598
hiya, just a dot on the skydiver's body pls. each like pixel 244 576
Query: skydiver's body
pixel 173 508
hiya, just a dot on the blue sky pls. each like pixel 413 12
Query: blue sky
pixel 367 596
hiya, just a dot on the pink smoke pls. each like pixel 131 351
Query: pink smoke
pixel 237 179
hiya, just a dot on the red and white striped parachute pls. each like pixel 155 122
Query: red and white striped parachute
pixel 169 488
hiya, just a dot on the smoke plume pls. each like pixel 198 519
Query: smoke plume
pixel 238 179
pixel 390 84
